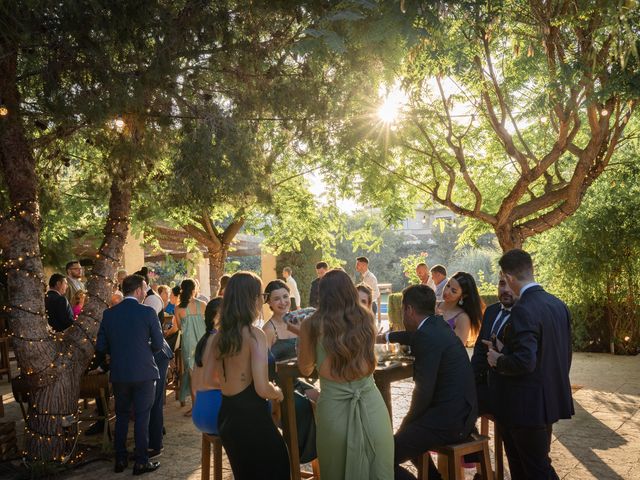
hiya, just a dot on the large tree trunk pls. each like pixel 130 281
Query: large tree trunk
pixel 60 398
pixel 51 364
pixel 508 238
pixel 78 341
pixel 37 351
pixel 217 259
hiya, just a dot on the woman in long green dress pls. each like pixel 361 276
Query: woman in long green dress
pixel 189 316
pixel 354 437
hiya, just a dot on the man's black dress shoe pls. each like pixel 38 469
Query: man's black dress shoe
pixel 154 453
pixel 149 467
pixel 120 466
pixel 150 454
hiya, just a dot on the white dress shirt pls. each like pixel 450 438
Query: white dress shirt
pixel 293 290
pixel 155 302
pixel 528 286
pixel 440 290
pixel 370 279
pixel 386 335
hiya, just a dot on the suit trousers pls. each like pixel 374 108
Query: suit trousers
pixel 527 450
pixel 156 419
pixel 141 396
pixel 412 440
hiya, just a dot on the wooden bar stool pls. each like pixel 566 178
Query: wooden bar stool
pixel 97 386
pixel 497 444
pixel 454 454
pixel 209 440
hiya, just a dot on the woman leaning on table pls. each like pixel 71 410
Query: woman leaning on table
pixel 282 343
pixel 238 364
pixel 354 437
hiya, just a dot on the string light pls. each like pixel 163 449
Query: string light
pixel 4 111
pixel 20 211
pixel 63 354
pixel 119 123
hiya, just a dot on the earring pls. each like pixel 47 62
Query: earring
pixel 460 302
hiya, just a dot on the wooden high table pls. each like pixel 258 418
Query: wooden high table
pixel 288 372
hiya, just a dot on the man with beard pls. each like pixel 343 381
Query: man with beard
pixel 528 376
pixel 494 324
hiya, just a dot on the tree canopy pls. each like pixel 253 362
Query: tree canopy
pixel 507 112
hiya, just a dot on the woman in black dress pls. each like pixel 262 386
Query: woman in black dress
pixel 253 444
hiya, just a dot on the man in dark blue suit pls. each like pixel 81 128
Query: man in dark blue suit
pixel 59 313
pixel 130 333
pixel 156 419
pixel 495 323
pixel 443 407
pixel 529 379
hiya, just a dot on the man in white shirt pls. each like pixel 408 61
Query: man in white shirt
pixel 439 276
pixel 368 278
pixel 293 286
pixel 422 270
pixel 154 301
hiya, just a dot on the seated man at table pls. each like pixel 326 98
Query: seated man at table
pixel 443 407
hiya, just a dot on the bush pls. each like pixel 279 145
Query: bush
pixel 591 329
pixel 303 264
pixel 489 299
pixel 592 262
pixel 394 309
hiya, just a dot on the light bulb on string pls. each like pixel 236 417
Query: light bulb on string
pixel 119 123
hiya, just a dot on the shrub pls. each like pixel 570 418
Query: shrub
pixel 592 262
pixel 394 309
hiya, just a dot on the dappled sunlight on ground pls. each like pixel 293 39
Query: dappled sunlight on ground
pixel 601 442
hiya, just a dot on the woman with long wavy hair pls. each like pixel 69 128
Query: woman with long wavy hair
pixel 354 437
pixel 238 364
pixel 462 307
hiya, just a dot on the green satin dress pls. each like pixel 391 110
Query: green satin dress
pixel 354 436
pixel 193 328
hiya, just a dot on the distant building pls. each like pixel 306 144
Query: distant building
pixel 422 225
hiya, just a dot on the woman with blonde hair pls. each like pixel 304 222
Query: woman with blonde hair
pixel 354 436
pixel 238 365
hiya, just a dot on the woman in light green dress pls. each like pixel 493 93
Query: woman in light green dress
pixel 354 437
pixel 189 318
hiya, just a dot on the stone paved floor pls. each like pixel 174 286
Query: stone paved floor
pixel 601 442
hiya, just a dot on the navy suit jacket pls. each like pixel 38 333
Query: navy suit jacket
pixel 530 385
pixel 444 396
pixel 130 333
pixel 59 313
pixel 314 293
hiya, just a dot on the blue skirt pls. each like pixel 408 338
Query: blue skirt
pixel 206 409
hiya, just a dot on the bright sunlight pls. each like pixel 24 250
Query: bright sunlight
pixel 390 110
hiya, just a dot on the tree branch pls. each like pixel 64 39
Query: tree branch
pixel 233 228
pixel 199 235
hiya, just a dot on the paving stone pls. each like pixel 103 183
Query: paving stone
pixel 602 441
